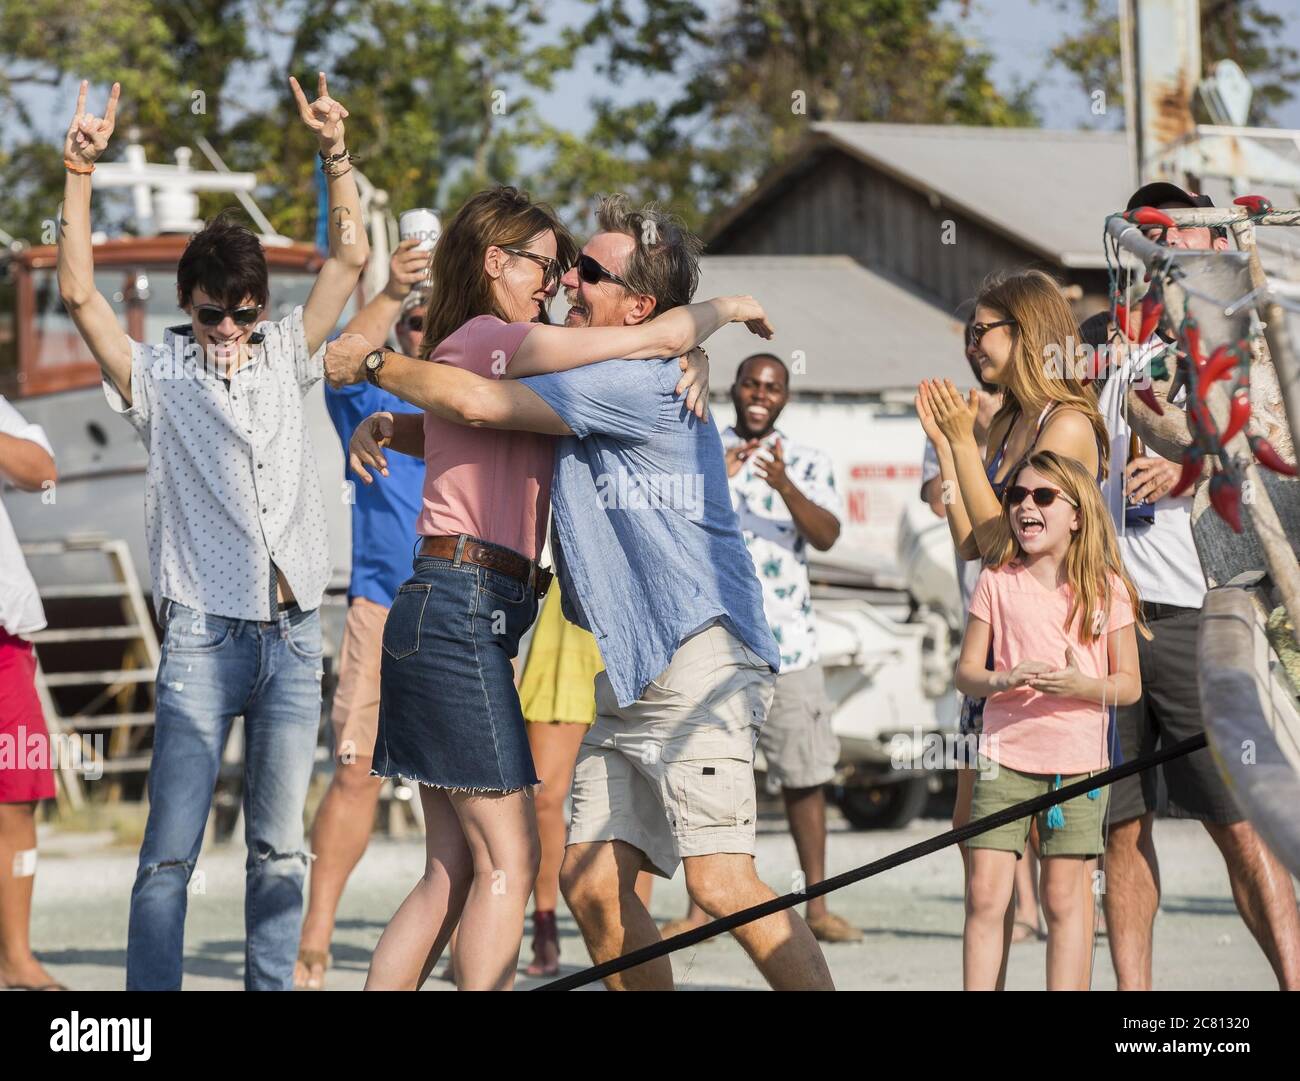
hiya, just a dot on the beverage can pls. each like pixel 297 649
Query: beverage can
pixel 421 222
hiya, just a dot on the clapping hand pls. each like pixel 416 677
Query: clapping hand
pixel 1067 682
pixel 1021 675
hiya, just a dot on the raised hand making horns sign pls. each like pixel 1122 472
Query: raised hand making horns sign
pixel 88 135
pixel 324 115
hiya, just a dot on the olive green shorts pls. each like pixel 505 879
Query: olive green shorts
pixel 997 788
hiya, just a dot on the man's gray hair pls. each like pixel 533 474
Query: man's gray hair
pixel 665 264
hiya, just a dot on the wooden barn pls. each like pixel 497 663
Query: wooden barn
pixel 936 209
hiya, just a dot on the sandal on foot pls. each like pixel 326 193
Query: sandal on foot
pixel 311 959
pixel 1024 931
pixel 546 945
pixel 677 927
pixel 833 928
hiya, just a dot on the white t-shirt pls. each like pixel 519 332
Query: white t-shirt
pixel 20 604
pixel 1160 558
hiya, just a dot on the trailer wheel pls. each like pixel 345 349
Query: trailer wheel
pixel 883 806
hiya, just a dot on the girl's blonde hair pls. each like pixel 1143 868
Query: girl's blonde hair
pixel 1043 343
pixel 1093 555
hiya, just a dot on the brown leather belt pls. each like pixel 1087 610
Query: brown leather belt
pixel 491 556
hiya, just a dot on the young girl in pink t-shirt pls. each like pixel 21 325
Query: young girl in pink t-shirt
pixel 1059 609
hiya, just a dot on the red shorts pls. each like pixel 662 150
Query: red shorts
pixel 25 751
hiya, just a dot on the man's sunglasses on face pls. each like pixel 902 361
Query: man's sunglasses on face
pixel 211 315
pixel 593 273
pixel 552 272
pixel 413 323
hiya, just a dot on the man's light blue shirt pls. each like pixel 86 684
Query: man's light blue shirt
pixel 646 544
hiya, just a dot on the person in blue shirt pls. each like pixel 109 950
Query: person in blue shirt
pixel 383 536
pixel 652 562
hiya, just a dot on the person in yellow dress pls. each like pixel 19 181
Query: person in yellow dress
pixel 559 702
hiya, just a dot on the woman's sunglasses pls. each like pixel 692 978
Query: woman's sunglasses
pixel 552 271
pixel 593 273
pixel 210 315
pixel 1043 497
pixel 976 331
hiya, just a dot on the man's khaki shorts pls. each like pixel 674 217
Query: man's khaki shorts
pixel 797 743
pixel 672 774
pixel 355 713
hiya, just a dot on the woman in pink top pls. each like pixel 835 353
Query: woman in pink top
pixel 1055 610
pixel 449 714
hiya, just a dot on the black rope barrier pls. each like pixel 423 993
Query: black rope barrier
pixel 868 870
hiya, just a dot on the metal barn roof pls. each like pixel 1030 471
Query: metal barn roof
pixel 1048 190
pixel 858 332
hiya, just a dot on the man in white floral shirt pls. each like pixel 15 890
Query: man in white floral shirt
pixel 784 495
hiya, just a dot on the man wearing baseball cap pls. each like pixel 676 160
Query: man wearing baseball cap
pixel 1166 196
pixel 1162 560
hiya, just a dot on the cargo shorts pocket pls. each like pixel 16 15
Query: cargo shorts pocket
pixel 709 781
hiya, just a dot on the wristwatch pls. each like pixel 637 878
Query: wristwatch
pixel 373 363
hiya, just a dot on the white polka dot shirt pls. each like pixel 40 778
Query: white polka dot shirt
pixel 232 490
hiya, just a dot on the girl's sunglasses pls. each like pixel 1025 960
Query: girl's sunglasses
pixel 593 273
pixel 210 315
pixel 976 331
pixel 1043 497
pixel 552 272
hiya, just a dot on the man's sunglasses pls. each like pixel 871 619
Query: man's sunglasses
pixel 552 271
pixel 975 331
pixel 413 323
pixel 1043 497
pixel 210 315
pixel 593 273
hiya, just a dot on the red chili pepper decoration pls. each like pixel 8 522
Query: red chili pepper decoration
pixel 1219 366
pixel 1225 496
pixel 1192 336
pixel 1255 204
pixel 1152 309
pixel 1237 417
pixel 1121 318
pixel 1149 398
pixel 1149 215
pixel 1269 458
pixel 1192 459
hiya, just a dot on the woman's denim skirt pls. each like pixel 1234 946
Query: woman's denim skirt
pixel 449 713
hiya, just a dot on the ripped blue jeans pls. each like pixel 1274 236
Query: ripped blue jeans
pixel 213 669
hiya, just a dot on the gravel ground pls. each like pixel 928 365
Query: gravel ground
pixel 912 916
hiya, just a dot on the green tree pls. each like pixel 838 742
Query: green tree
pixel 439 91
pixel 1245 31
pixel 752 84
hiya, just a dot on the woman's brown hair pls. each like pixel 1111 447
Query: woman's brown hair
pixel 1043 343
pixel 459 287
pixel 1093 555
